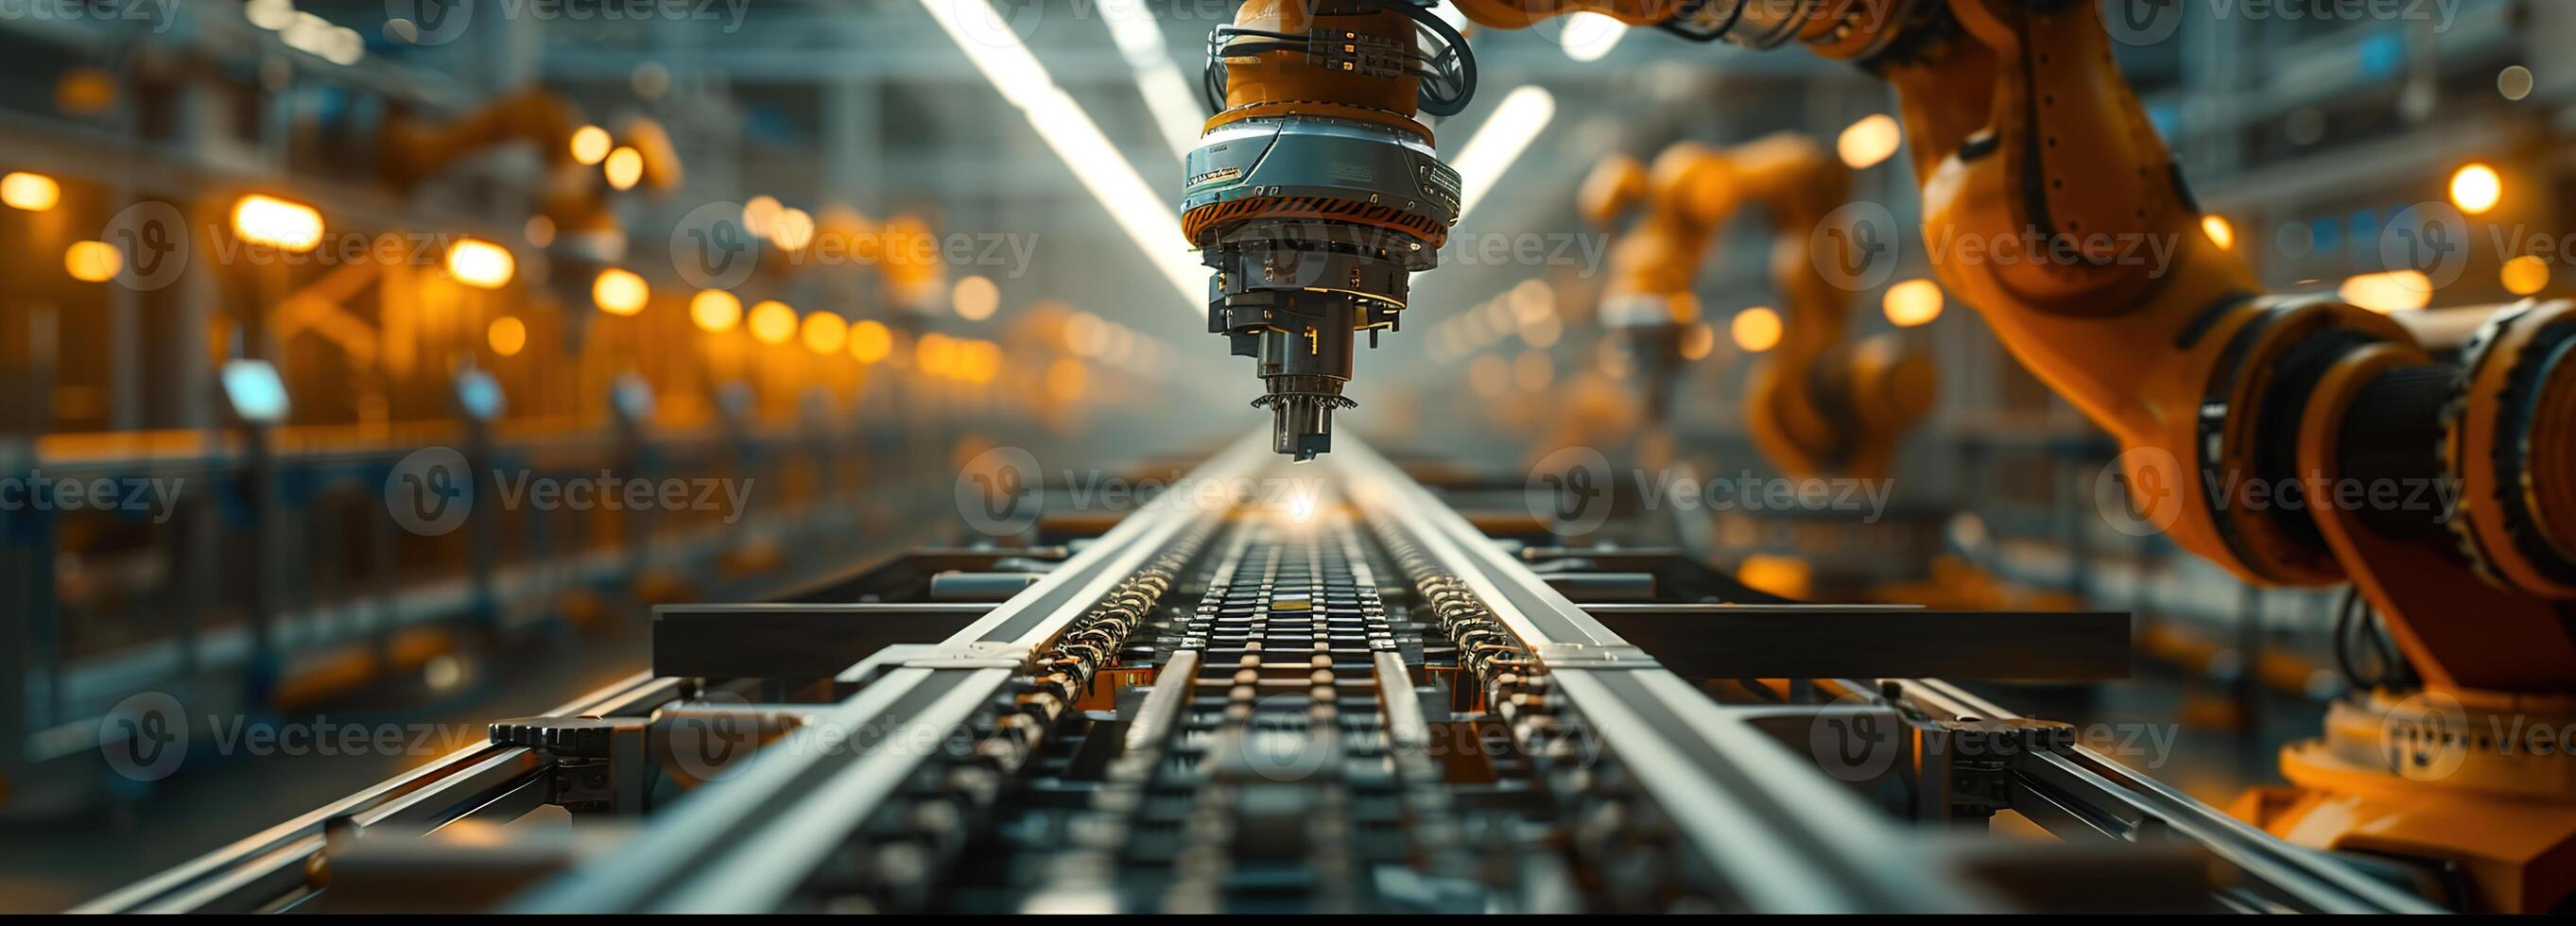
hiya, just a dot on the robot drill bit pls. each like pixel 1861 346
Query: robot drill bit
pixel 1315 194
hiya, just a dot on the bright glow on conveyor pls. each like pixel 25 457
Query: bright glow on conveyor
pixel 871 341
pixel 976 298
pixel 276 223
pixel 826 332
pixel 99 261
pixel 2476 189
pixel 1913 303
pixel 715 311
pixel 625 168
pixel 1138 208
pixel 30 192
pixel 2393 291
pixel 590 145
pixel 481 264
pixel 2526 275
pixel 1873 139
pixel 2220 231
pixel 1516 122
pixel 773 322
pixel 620 292
pixel 1756 329
pixel 508 336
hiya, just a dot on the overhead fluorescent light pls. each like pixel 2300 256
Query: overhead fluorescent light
pixel 1168 94
pixel 1516 122
pixel 1068 130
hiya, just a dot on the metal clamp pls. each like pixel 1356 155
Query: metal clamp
pixel 979 654
pixel 1593 656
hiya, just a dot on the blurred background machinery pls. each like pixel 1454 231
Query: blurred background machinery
pixel 261 255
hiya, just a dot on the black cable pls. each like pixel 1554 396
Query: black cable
pixel 2343 637
pixel 2352 614
pixel 1448 78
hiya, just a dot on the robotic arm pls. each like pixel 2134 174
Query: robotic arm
pixel 573 196
pixel 2251 419
pixel 1316 194
pixel 1816 405
pixel 2029 143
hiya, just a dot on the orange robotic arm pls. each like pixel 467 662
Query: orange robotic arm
pixel 575 197
pixel 2294 440
pixel 2052 206
pixel 1816 405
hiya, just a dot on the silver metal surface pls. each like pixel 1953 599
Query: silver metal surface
pixel 742 846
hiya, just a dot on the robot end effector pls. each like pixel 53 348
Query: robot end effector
pixel 1315 194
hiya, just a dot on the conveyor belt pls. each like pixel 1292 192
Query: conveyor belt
pixel 1369 707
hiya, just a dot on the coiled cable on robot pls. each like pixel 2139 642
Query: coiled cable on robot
pixel 1448 73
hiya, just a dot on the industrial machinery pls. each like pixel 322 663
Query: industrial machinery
pixel 2015 116
pixel 1315 192
pixel 1815 404
pixel 1342 698
pixel 779 536
pixel 576 197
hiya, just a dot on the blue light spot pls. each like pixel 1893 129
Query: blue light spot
pixel 2383 54
pixel 2365 229
pixel 2328 234
pixel 2167 119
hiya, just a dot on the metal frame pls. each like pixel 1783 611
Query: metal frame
pixel 1771 827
